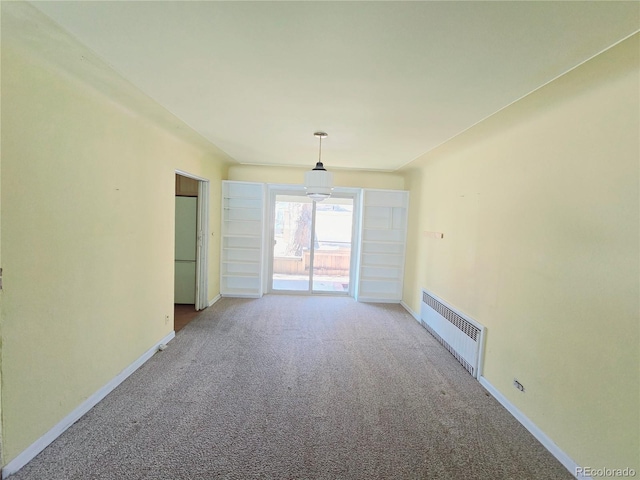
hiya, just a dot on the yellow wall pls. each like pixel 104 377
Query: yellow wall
pixel 87 239
pixel 1 296
pixel 292 175
pixel 539 207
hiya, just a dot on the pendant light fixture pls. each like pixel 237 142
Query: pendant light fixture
pixel 318 182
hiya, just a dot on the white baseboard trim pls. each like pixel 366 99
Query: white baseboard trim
pixel 562 457
pixel 215 299
pixel 413 314
pixel 43 442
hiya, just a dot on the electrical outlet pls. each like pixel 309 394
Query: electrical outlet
pixel 166 319
pixel 518 385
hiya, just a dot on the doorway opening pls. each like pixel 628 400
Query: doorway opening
pixel 312 244
pixel 191 247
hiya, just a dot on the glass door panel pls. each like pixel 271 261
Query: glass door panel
pixel 333 229
pixel 292 243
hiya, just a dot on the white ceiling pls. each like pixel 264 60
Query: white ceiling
pixel 388 81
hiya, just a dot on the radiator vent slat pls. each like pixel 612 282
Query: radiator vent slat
pixel 461 336
pixel 464 325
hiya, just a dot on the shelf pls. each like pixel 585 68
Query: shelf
pixel 242 242
pixel 241 197
pixel 373 265
pixel 386 199
pixel 233 293
pixel 378 260
pixel 247 252
pixel 241 257
pixel 368 287
pixel 384 242
pixel 383 249
pixel 378 299
pixel 380 205
pixel 378 279
pixel 242 190
pixel 375 229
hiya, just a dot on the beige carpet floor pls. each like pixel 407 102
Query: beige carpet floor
pixel 298 387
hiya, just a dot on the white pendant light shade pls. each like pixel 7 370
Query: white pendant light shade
pixel 318 182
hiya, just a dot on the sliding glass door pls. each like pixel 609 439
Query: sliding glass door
pixel 311 243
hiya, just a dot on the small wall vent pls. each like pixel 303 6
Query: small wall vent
pixel 459 334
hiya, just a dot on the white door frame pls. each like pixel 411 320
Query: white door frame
pixel 202 245
pixel 272 191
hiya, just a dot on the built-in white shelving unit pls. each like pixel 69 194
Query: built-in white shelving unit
pixel 382 252
pixel 382 242
pixel 242 252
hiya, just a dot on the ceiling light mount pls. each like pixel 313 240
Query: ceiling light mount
pixel 318 182
pixel 320 135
